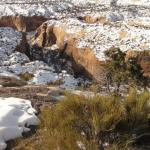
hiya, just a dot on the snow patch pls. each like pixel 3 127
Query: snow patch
pixel 16 115
pixel 9 39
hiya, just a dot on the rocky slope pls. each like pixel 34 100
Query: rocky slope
pixel 14 63
pixel 87 37
pixel 47 37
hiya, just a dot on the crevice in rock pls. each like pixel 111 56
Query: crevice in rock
pixel 24 47
pixel 65 55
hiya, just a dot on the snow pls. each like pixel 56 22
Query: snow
pixel 16 115
pixel 8 74
pixel 99 37
pixel 134 2
pixel 69 82
pixel 129 38
pixel 58 8
pixel 14 63
pixel 110 33
pixel 80 2
pixel 37 9
pixel 44 77
pixel 15 58
pixel 125 27
pixel 9 39
pixel 43 74
pixel 119 2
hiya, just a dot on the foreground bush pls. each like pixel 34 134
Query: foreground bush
pixel 98 123
pixel 95 123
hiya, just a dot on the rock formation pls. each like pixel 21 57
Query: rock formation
pixel 67 33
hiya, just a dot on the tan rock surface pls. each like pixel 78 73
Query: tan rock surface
pixel 22 23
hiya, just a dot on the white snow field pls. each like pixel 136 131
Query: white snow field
pixel 16 115
pixel 79 2
pixel 51 8
pixel 9 39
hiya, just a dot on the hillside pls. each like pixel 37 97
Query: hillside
pixel 89 48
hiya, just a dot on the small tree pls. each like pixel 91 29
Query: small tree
pixel 121 71
pixel 116 66
pixel 136 72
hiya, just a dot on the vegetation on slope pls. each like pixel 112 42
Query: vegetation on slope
pixel 124 71
pixel 104 122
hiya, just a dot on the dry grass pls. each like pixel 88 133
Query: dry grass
pixel 26 76
pixel 76 118
pixel 122 34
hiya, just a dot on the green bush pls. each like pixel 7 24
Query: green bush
pixel 79 123
pixel 137 108
pixel 94 121
pixel 123 71
pixel 26 76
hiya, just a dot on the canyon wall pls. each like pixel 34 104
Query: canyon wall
pixel 53 33
pixel 22 23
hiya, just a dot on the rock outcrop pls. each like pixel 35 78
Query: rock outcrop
pixel 7 81
pixel 83 59
pixel 22 23
pixel 77 34
pixel 85 43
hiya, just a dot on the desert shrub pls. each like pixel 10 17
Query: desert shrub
pixel 136 72
pixel 122 34
pixel 79 119
pixel 137 108
pixel 98 123
pixel 116 67
pixel 121 71
pixel 94 88
pixel 55 83
pixel 26 76
pixel 95 121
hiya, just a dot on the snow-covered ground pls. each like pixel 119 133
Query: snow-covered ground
pixel 43 74
pixel 9 39
pixel 83 2
pixel 99 37
pixel 16 115
pixel 55 8
pixel 128 38
pixel 14 63
pixel 125 27
pixel 48 10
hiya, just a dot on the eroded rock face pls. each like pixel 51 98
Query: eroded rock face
pixel 86 43
pixel 85 62
pixel 83 59
pixel 22 23
pixel 80 34
pixel 15 63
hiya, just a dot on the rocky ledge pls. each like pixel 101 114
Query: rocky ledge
pixel 50 37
